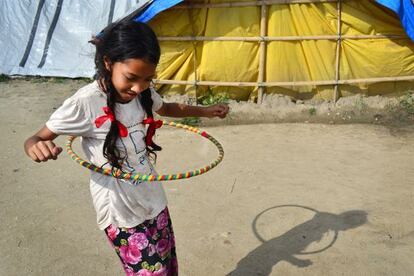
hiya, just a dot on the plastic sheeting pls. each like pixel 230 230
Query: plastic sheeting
pixel 287 60
pixel 50 37
pixel 405 10
pixel 30 46
pixel 155 7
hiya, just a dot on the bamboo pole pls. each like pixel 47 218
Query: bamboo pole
pixel 338 52
pixel 287 83
pixel 262 53
pixel 190 18
pixel 278 38
pixel 192 5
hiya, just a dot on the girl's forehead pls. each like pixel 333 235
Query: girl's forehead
pixel 136 66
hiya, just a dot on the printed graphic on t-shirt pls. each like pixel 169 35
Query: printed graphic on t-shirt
pixel 134 152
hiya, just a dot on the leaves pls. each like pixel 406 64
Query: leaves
pixel 407 102
pixel 210 98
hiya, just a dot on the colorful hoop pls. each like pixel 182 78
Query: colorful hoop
pixel 149 177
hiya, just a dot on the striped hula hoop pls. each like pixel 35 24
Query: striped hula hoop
pixel 149 177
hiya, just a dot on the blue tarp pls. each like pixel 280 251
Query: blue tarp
pixel 154 8
pixel 405 10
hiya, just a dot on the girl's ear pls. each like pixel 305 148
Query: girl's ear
pixel 108 64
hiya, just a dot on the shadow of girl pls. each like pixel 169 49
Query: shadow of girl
pixel 261 260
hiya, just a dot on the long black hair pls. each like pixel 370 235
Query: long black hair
pixel 118 42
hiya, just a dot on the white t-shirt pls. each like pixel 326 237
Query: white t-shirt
pixel 119 202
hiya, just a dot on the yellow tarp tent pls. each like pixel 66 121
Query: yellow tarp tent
pixel 286 61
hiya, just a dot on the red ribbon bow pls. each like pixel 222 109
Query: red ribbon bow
pixel 109 115
pixel 153 125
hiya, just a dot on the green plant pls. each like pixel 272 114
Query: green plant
pixel 407 102
pixel 360 103
pixel 40 79
pixel 37 79
pixel 210 98
pixel 190 121
pixel 312 111
pixel 4 78
pixel 57 80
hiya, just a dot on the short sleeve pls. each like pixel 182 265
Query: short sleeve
pixel 70 119
pixel 156 99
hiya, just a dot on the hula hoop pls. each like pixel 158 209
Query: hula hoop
pixel 149 177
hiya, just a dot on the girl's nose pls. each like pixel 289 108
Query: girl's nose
pixel 138 87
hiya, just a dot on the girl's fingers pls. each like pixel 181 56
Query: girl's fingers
pixel 224 108
pixel 53 149
pixel 43 151
pixel 33 156
pixel 221 110
pixel 57 150
pixel 39 157
pixel 44 148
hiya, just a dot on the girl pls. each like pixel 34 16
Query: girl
pixel 109 114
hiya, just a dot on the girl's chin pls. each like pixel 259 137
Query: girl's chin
pixel 126 99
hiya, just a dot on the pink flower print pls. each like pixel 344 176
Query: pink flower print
pixel 112 232
pixel 130 254
pixel 161 272
pixel 163 247
pixel 162 221
pixel 151 250
pixel 131 230
pixel 129 271
pixel 138 240
pixel 165 233
pixel 152 232
pixel 144 272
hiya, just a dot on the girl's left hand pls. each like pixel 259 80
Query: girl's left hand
pixel 217 110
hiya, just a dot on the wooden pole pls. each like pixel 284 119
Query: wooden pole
pixel 191 21
pixel 287 84
pixel 262 53
pixel 338 51
pixel 277 38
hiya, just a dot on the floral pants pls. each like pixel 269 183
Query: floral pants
pixel 147 249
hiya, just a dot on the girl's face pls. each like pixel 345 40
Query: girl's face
pixel 130 77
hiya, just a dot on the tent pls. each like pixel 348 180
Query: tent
pixel 301 48
pixel 244 49
pixel 50 37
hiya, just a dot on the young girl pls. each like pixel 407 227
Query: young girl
pixel 111 116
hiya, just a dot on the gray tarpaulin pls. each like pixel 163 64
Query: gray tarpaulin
pixel 50 37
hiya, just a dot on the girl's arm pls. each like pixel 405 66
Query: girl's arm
pixel 183 110
pixel 40 147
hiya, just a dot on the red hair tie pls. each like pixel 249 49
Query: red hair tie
pixel 153 125
pixel 109 115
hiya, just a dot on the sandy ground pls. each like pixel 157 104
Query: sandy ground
pixel 288 199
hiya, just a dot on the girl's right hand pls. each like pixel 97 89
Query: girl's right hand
pixel 42 151
pixel 40 147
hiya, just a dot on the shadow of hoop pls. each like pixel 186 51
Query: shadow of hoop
pixel 261 239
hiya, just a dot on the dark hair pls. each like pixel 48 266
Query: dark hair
pixel 118 42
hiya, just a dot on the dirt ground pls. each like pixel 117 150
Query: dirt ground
pixel 292 196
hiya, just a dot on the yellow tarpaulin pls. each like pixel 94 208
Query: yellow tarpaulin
pixel 286 61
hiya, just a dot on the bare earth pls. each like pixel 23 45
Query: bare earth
pixel 288 199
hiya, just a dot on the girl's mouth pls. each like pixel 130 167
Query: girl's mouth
pixel 132 94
